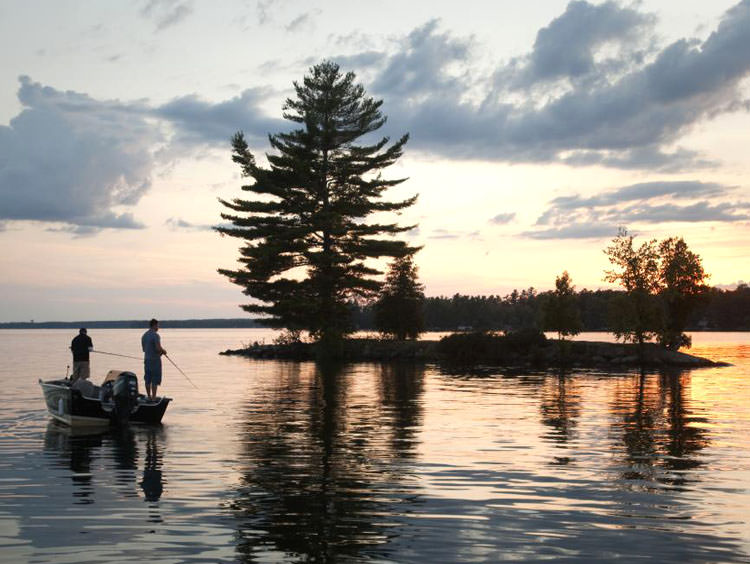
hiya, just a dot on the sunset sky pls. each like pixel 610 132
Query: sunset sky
pixel 537 128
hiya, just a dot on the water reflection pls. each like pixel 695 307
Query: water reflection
pixel 152 483
pixel 661 435
pixel 323 466
pixel 560 409
pixel 74 450
pixel 85 453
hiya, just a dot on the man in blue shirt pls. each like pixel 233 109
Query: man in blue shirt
pixel 152 351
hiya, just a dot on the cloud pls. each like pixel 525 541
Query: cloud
pixel 262 9
pixel 299 22
pixel 420 69
pixel 593 89
pixel 167 13
pixel 448 234
pixel 178 224
pixel 200 121
pixel 568 102
pixel 569 47
pixel 69 158
pixel 642 191
pixel 644 203
pixel 503 218
pixel 574 232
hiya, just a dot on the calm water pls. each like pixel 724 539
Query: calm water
pixel 271 461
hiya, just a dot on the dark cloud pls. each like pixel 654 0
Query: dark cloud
pixel 69 158
pixel 166 13
pixel 178 224
pixel 697 212
pixel 574 232
pixel 567 48
pixel 592 90
pixel 625 112
pixel 420 67
pixel 645 203
pixel 503 218
pixel 643 191
pixel 200 121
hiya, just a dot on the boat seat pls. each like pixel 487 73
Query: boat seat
pixel 112 375
pixel 86 388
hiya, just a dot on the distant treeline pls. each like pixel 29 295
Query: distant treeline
pixel 135 324
pixel 719 310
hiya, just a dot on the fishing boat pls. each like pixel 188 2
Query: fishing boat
pixel 115 402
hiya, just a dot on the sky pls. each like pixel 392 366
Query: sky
pixel 537 129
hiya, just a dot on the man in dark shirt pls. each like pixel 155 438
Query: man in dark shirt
pixel 81 346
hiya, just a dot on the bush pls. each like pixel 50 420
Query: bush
pixel 470 348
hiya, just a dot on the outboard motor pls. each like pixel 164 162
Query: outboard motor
pixel 125 397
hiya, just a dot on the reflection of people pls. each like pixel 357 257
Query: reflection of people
pixel 152 479
pixel 152 351
pixel 81 345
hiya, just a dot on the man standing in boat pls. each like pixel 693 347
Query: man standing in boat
pixel 81 345
pixel 152 351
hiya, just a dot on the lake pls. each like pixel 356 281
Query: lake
pixel 269 461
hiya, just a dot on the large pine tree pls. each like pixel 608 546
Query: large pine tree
pixel 309 245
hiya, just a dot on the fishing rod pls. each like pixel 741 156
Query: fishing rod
pixel 138 358
pixel 121 355
pixel 181 372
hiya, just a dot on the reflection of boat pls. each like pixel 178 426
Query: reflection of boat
pixel 116 401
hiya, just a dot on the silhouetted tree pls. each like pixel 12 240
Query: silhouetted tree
pixel 683 282
pixel 306 230
pixel 560 311
pixel 398 310
pixel 635 314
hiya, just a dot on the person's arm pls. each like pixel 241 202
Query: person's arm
pixel 91 345
pixel 159 348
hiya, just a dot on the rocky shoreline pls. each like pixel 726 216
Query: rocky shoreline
pixel 584 354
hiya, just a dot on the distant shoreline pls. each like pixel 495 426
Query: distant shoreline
pixel 219 323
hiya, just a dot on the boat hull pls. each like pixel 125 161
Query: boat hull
pixel 71 407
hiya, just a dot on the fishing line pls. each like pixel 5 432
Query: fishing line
pixel 181 372
pixel 121 355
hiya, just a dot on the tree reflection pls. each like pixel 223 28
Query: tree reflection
pixel 320 457
pixel 660 434
pixel 561 408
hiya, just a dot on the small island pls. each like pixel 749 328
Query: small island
pixel 522 349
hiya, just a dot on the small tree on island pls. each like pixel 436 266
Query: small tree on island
pixel 560 312
pixel 683 282
pixel 662 283
pixel 635 315
pixel 307 239
pixel 399 310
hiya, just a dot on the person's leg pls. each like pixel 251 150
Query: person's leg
pixel 147 379
pixel 84 371
pixel 156 379
pixel 76 371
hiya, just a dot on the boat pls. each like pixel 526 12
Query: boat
pixel 116 402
